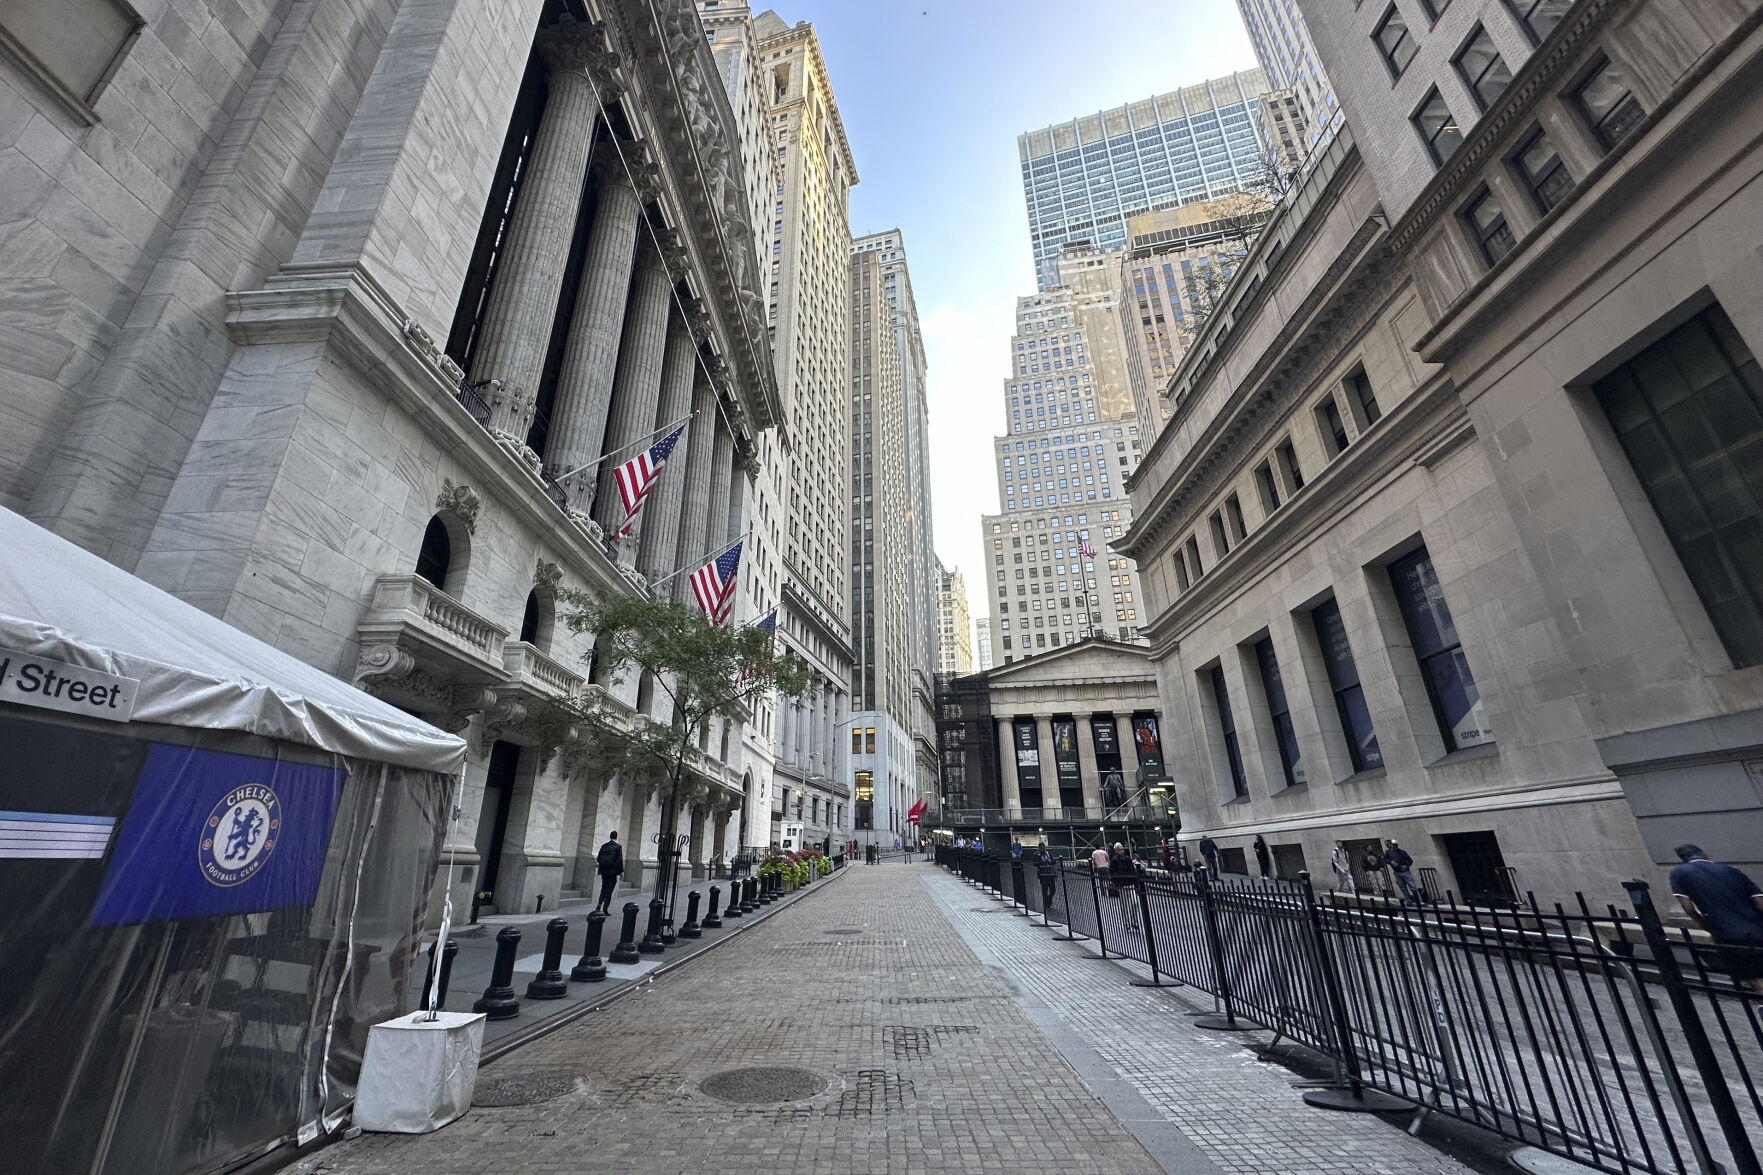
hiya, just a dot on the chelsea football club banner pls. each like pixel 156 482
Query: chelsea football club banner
pixel 215 833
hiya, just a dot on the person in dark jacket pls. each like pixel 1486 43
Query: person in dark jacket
pixel 1123 877
pixel 1047 870
pixel 1209 850
pixel 1727 904
pixel 609 863
pixel 1373 864
pixel 1402 865
pixel 1262 858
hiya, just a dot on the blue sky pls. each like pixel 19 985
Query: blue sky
pixel 933 95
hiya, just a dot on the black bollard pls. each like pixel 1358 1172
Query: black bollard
pixel 691 929
pixel 713 921
pixel 549 983
pixel 742 901
pixel 591 968
pixel 653 943
pixel 752 898
pixel 626 950
pixel 447 957
pixel 499 1001
pixel 768 889
pixel 735 887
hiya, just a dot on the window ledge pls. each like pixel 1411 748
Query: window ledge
pixel 1295 789
pixel 13 50
pixel 1368 776
pixel 1234 800
pixel 1466 755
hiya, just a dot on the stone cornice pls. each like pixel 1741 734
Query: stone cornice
pixel 804 605
pixel 679 91
pixel 350 312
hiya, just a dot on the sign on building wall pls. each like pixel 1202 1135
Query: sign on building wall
pixel 1106 737
pixel 1149 746
pixel 1065 762
pixel 1028 762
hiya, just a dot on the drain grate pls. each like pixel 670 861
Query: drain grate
pixel 908 1043
pixel 875 1091
pixel 522 1089
pixel 844 930
pixel 750 1086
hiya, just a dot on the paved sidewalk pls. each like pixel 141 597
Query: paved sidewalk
pixel 1240 1111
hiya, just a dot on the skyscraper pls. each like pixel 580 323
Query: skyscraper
pixel 1083 179
pixel 1051 579
pixel 982 643
pixel 1288 58
pixel 955 627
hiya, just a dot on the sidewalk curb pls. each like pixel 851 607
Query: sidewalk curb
pixel 551 1024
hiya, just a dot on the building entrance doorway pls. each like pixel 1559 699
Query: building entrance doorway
pixel 1483 878
pixel 492 821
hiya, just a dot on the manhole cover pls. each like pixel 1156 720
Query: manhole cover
pixel 762 1085
pixel 522 1089
pixel 845 931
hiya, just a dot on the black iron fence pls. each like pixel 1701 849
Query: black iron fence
pixel 1597 1034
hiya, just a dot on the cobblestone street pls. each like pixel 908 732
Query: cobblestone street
pixel 941 1034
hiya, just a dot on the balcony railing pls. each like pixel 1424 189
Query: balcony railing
pixel 436 629
pixel 535 671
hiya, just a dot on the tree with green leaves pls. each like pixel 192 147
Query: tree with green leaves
pixel 702 671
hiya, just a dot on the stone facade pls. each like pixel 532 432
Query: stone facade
pixel 323 310
pixel 1406 579
pixel 955 654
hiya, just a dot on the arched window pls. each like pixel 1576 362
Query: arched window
pixel 537 620
pixel 437 553
pixel 645 692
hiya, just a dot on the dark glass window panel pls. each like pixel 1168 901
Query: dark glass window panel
pixel 1356 721
pixel 1394 39
pixel 436 555
pixel 1337 654
pixel 1228 727
pixel 1450 685
pixel 1438 128
pixel 1483 69
pixel 1488 225
pixel 1343 678
pixel 1688 412
pixel 1609 103
pixel 1544 174
pixel 1331 420
pixel 1541 16
pixel 1280 711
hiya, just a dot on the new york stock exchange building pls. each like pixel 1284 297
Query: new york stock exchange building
pixel 351 333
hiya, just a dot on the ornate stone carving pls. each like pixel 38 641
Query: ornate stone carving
pixel 546 576
pixel 503 715
pixel 424 344
pixel 382 664
pixel 461 501
pixel 585 48
pixel 464 703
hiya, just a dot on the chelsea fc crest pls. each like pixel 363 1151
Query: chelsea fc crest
pixel 240 834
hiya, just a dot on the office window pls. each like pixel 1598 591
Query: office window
pixel 1343 679
pixel 1482 69
pixel 1487 224
pixel 1434 8
pixel 1544 175
pixel 1195 567
pixel 1181 571
pixel 1436 126
pixel 1456 703
pixel 869 740
pixel 1233 517
pixel 1267 487
pixel 1393 38
pixel 1608 104
pixel 1689 413
pixel 1288 464
pixel 1541 16
pixel 1220 542
pixel 1280 711
pixel 1227 726
pixel 1334 429
pixel 1361 398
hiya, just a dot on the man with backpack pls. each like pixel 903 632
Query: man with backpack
pixel 609 862
pixel 1402 865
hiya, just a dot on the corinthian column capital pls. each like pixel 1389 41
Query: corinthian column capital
pixel 573 47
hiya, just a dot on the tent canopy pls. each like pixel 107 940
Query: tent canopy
pixel 62 603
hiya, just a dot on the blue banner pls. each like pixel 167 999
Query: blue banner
pixel 213 833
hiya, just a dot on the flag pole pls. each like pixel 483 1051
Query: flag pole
pixel 625 449
pixel 696 563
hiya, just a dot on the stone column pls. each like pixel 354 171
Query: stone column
pixel 722 472
pixel 700 444
pixel 1049 769
pixel 590 356
pixel 737 502
pixel 516 329
pixel 1088 772
pixel 1012 789
pixel 661 513
pixel 636 388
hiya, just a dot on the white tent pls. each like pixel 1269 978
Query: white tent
pixel 63 603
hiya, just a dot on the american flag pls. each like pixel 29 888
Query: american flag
pixel 636 477
pixel 768 626
pixel 1084 548
pixel 714 585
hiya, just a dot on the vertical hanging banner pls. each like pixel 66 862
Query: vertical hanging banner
pixel 1028 762
pixel 1149 746
pixel 214 833
pixel 1106 737
pixel 1065 763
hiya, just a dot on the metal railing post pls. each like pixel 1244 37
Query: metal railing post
pixel 1070 934
pixel 1150 937
pixel 1714 1082
pixel 1215 947
pixel 1096 897
pixel 1355 1097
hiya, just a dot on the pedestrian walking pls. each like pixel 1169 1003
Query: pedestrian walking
pixel 1402 865
pixel 609 863
pixel 1262 857
pixel 1209 850
pixel 1727 904
pixel 1123 873
pixel 1167 857
pixel 1343 872
pixel 1047 870
pixel 1373 865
